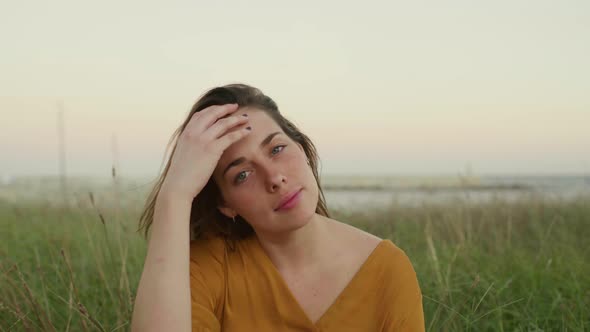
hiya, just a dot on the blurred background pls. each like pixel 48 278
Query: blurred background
pixel 496 92
pixel 410 104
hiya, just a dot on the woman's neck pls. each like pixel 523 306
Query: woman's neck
pixel 303 248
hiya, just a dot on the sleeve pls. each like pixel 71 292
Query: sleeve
pixel 207 282
pixel 414 321
pixel 405 311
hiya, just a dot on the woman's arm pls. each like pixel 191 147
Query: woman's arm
pixel 415 320
pixel 163 301
pixel 406 311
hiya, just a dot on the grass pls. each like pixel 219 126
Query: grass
pixel 498 266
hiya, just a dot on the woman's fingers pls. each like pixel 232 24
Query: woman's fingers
pixel 230 138
pixel 217 126
pixel 211 114
pixel 224 125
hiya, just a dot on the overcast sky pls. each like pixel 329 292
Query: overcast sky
pixel 417 87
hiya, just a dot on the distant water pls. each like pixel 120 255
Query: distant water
pixel 414 191
pixel 341 192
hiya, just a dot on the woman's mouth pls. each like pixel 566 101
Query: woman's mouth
pixel 291 202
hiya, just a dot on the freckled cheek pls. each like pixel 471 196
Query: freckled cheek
pixel 249 199
pixel 295 160
pixel 253 208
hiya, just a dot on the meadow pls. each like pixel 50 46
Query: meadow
pixel 495 266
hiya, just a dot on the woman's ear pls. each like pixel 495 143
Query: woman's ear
pixel 227 211
pixel 224 209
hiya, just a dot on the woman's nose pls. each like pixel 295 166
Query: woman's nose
pixel 276 179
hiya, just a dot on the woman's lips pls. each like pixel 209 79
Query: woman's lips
pixel 291 202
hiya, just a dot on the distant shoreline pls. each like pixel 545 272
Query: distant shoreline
pixel 428 188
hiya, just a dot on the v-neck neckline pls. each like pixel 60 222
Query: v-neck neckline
pixel 338 298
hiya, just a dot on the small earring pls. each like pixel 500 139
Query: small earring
pixel 234 219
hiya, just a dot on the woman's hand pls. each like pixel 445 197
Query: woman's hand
pixel 199 148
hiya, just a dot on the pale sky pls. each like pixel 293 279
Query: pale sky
pixel 380 87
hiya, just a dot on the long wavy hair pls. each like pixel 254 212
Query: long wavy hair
pixel 205 218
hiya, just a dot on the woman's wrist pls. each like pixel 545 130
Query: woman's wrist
pixel 171 198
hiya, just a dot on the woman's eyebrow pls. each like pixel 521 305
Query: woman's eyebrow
pixel 240 160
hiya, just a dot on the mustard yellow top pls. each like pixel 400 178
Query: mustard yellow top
pixel 243 291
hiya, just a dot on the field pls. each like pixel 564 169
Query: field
pixel 498 266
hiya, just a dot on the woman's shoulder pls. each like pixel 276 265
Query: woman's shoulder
pixel 395 260
pixel 391 260
pixel 397 274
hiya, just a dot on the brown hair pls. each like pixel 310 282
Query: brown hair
pixel 205 218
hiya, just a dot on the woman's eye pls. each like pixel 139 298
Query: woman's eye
pixel 239 179
pixel 278 146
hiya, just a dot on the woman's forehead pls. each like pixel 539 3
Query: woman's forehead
pixel 262 126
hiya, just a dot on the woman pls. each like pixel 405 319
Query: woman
pixel 264 254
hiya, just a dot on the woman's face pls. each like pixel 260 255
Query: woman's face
pixel 272 167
